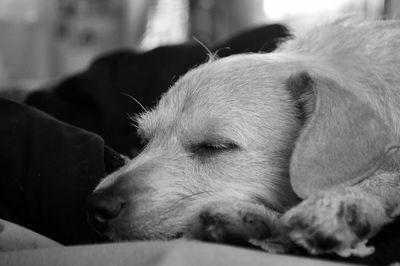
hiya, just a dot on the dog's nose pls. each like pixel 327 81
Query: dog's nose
pixel 101 208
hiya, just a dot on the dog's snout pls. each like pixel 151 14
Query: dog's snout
pixel 102 208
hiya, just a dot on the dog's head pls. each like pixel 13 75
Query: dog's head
pixel 225 131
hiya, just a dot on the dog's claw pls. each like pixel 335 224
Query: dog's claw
pixel 359 250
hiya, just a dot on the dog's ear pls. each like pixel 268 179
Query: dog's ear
pixel 341 141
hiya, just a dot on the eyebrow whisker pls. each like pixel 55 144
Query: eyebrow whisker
pixel 194 194
pixel 135 100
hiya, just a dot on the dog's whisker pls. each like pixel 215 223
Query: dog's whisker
pixel 221 49
pixel 135 100
pixel 134 125
pixel 211 56
pixel 194 195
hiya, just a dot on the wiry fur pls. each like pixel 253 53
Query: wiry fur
pixel 229 131
pixel 208 106
pixel 363 56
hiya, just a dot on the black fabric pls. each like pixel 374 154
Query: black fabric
pixel 47 170
pixel 95 99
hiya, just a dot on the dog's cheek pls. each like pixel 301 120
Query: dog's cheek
pixel 241 174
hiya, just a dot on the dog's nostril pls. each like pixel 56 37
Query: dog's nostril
pixel 101 209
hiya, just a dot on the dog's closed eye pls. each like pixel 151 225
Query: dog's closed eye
pixel 207 149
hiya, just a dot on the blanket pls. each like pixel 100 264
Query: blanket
pixel 48 168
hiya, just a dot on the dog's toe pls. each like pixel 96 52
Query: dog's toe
pixel 212 226
pixel 216 226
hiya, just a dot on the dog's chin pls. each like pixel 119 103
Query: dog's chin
pixel 121 236
pixel 124 233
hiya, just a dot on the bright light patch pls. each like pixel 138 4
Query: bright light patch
pixel 279 10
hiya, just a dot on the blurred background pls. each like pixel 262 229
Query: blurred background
pixel 44 40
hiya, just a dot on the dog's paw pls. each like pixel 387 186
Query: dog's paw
pixel 236 223
pixel 330 224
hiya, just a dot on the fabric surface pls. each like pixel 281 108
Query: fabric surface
pixel 47 170
pixel 175 253
pixel 14 237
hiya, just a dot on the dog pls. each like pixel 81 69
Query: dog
pixel 297 147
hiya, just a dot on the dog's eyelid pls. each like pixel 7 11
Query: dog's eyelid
pixel 222 145
pixel 205 148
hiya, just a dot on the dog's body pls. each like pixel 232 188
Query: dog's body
pixel 235 141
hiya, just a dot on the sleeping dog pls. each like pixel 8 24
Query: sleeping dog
pixel 296 147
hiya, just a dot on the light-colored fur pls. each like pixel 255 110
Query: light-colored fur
pixel 362 57
pixel 229 132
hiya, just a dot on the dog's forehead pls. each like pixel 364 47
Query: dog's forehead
pixel 221 97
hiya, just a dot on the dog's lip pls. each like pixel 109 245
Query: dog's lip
pixel 93 228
